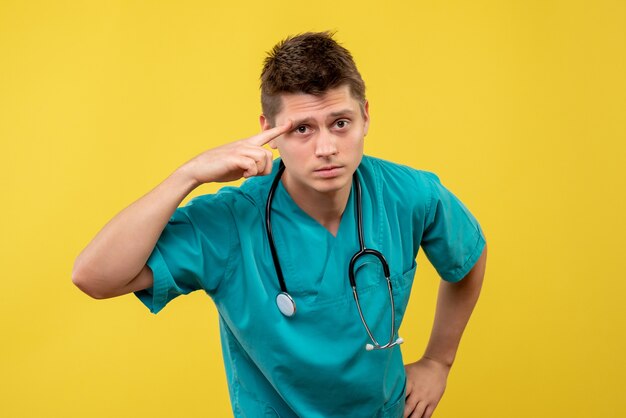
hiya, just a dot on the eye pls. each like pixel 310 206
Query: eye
pixel 342 123
pixel 302 129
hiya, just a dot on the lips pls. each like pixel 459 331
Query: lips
pixel 328 168
pixel 329 171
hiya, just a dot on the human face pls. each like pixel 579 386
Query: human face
pixel 325 145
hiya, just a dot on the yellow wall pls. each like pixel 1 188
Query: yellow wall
pixel 519 107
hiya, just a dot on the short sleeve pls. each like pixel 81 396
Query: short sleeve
pixel 192 252
pixel 453 239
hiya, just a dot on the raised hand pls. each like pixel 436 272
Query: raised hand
pixel 232 161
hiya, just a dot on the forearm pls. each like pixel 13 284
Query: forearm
pixel 455 304
pixel 118 254
pixel 120 250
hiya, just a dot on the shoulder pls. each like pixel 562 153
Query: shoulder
pixel 397 178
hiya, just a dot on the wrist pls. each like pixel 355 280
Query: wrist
pixel 183 176
pixel 438 361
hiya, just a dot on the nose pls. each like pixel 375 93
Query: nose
pixel 326 144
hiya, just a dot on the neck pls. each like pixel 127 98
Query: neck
pixel 325 208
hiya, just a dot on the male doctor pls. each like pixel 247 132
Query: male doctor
pixel 275 254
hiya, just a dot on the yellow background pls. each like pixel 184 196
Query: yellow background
pixel 518 106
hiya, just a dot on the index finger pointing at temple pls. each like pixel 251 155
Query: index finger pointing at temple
pixel 266 136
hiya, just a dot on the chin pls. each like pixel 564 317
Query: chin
pixel 331 185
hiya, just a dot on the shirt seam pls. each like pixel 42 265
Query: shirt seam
pixel 460 272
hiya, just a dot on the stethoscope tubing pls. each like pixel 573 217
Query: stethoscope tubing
pixel 285 302
pixel 268 228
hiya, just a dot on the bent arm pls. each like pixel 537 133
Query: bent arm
pixel 114 262
pixel 455 303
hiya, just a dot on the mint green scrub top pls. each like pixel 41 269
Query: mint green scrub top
pixel 313 364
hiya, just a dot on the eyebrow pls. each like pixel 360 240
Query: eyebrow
pixel 299 122
pixel 343 112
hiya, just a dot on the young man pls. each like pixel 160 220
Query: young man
pixel 276 254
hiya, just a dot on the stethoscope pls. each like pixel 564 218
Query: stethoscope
pixel 286 304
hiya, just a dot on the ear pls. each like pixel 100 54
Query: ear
pixel 366 117
pixel 265 125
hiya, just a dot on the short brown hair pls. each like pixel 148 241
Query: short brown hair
pixel 310 63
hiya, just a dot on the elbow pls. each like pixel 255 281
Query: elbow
pixel 87 283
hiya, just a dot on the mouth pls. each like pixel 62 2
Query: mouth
pixel 328 167
pixel 328 171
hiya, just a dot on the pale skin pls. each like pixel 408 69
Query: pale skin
pixel 320 139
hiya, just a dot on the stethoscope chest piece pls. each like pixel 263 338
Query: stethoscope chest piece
pixel 286 304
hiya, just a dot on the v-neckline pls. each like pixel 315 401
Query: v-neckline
pixel 320 248
pixel 347 211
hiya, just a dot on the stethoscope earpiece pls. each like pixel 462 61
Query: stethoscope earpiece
pixel 370 347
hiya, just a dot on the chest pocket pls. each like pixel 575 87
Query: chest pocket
pixel 369 275
pixel 373 294
pixel 402 284
pixel 371 279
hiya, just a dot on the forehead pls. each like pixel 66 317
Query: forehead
pixel 301 105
